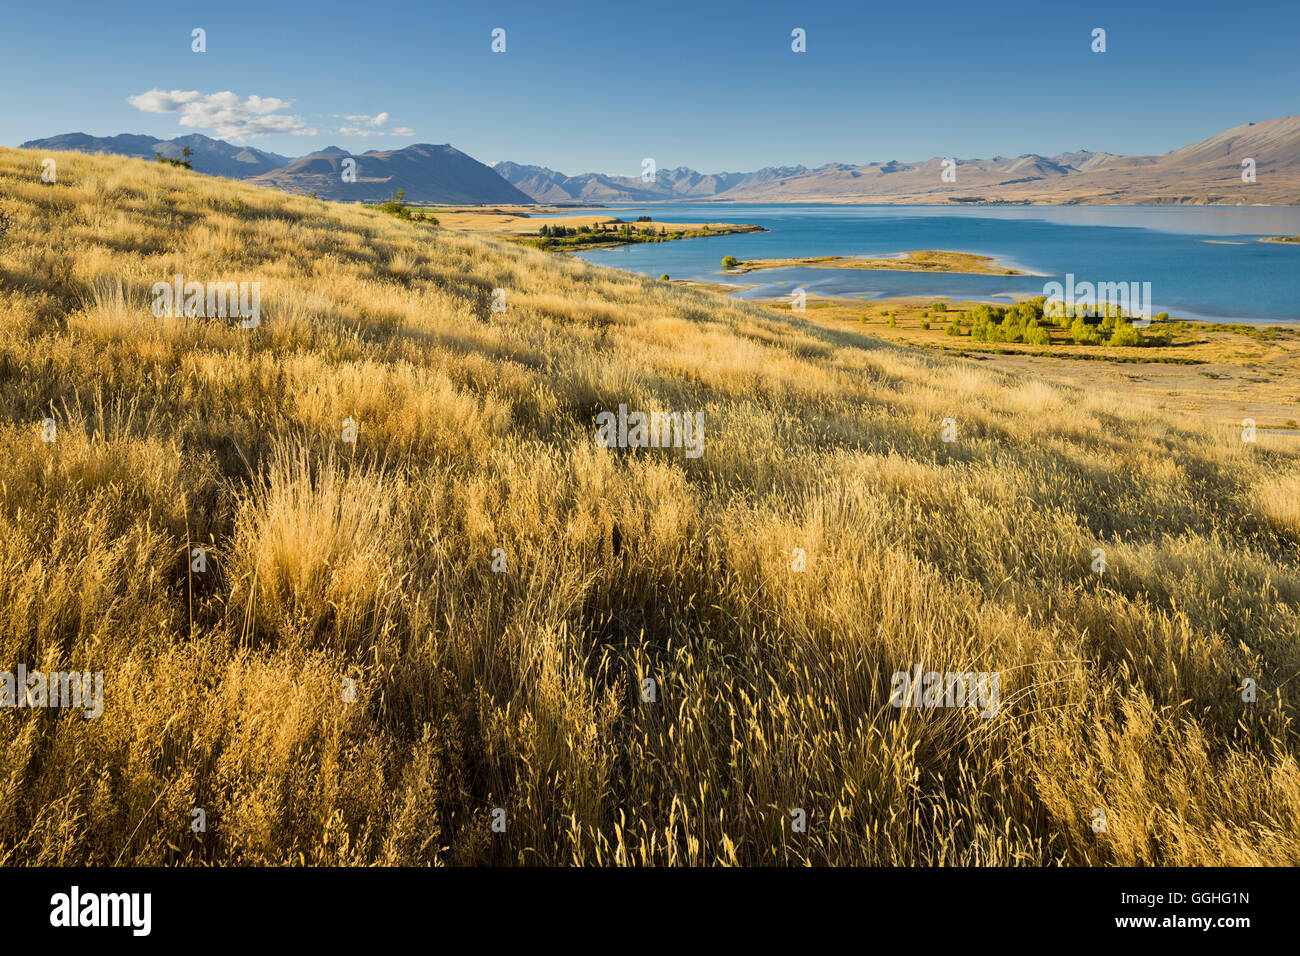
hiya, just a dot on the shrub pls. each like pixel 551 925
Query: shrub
pixel 1125 335
pixel 729 262
pixel 184 161
pixel 1083 333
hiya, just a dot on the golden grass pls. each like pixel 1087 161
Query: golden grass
pixel 522 690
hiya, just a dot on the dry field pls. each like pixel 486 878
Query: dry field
pixel 522 691
pixel 1206 371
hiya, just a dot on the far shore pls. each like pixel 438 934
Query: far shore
pixel 578 229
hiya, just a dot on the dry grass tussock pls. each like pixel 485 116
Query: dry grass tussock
pixel 474 690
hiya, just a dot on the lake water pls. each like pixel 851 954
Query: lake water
pixel 1202 262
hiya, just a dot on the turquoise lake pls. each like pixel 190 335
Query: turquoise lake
pixel 1202 262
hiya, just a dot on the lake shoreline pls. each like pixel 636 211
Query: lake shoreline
pixel 1202 263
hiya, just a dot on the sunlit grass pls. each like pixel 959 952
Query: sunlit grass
pixel 523 690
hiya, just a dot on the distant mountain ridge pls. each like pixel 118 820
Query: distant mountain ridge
pixel 547 185
pixel 427 173
pixel 1208 171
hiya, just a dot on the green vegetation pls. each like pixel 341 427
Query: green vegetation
pixel 397 207
pixel 1027 322
pixel 184 162
pixel 597 234
pixel 729 262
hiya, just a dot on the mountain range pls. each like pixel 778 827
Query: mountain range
pixel 426 173
pixel 1209 171
pixel 212 156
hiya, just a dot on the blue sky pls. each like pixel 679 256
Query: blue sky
pixel 596 86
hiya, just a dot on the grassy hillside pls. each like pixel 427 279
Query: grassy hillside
pixel 521 690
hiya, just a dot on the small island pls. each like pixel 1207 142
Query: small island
pixel 925 260
pixel 1282 239
pixel 587 232
pixel 556 228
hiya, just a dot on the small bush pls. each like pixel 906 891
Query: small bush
pixel 1125 335
pixel 1035 334
pixel 1084 334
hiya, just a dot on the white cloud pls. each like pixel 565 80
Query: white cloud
pixel 378 120
pixel 225 113
pixel 364 125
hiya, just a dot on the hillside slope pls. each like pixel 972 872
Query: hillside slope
pixel 214 157
pixel 358 675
